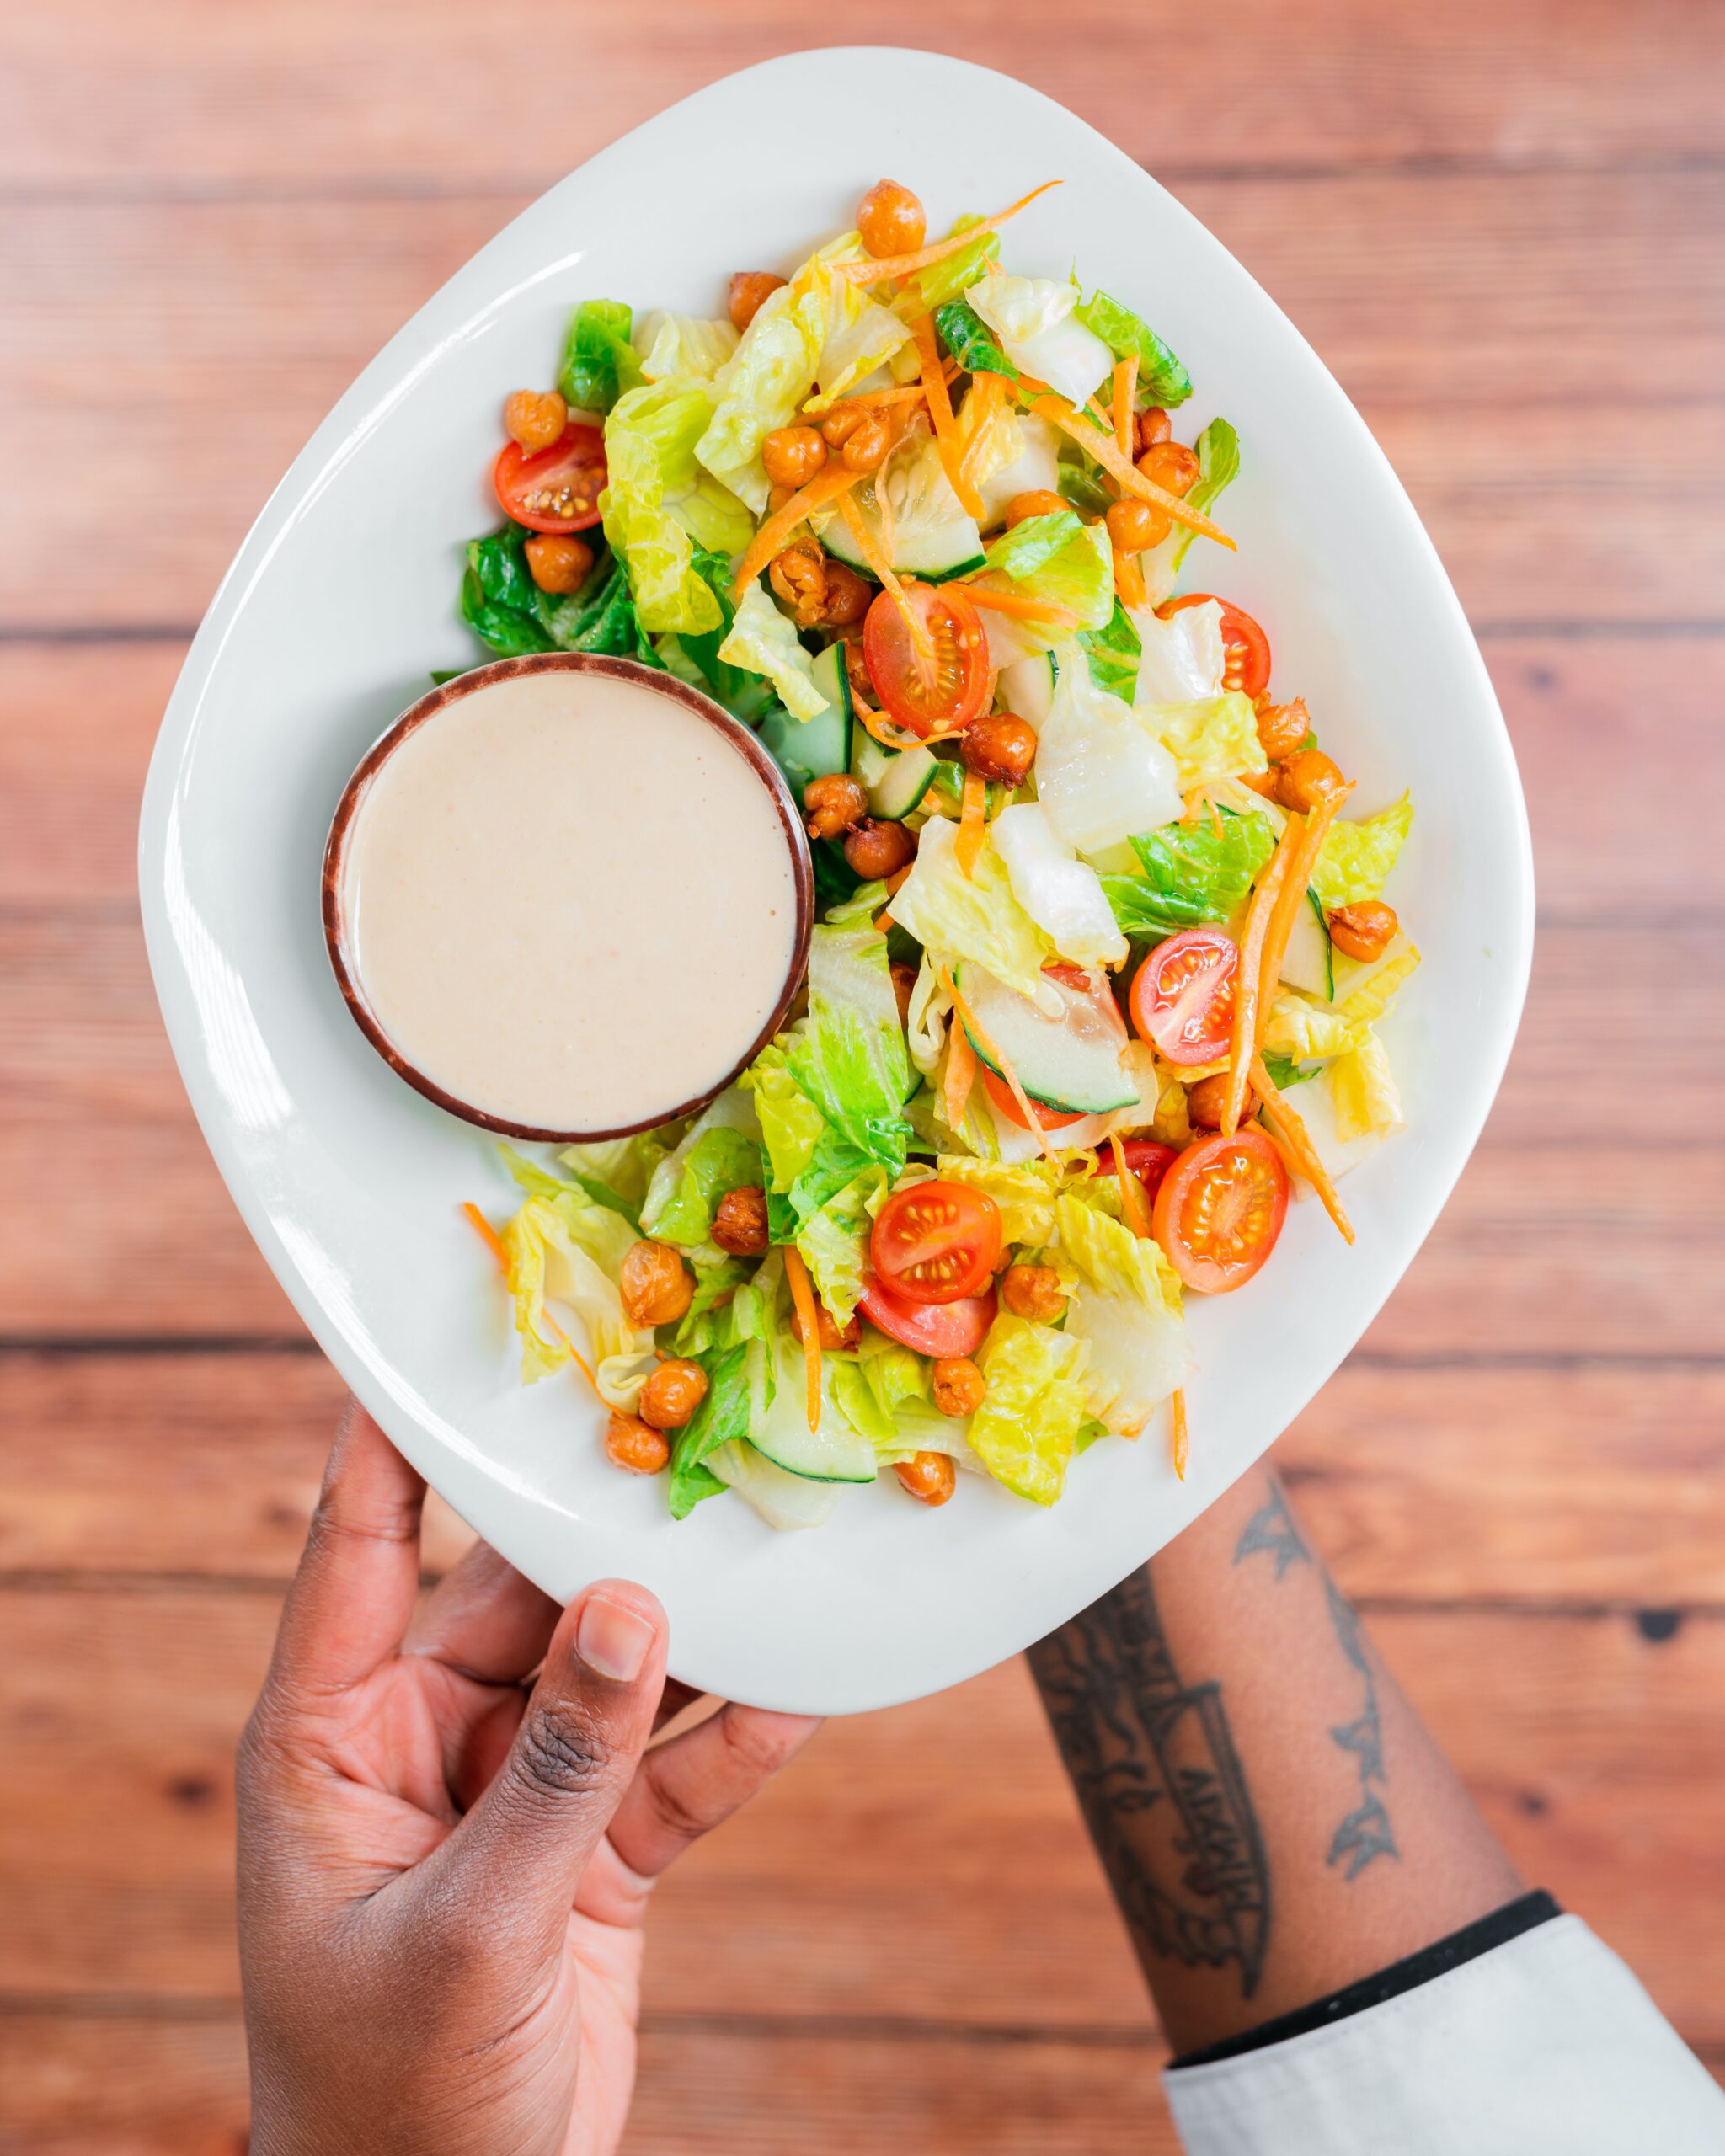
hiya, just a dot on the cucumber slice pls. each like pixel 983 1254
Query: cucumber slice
pixel 1028 687
pixel 1071 1062
pixel 1310 965
pixel 894 779
pixel 933 537
pixel 810 748
pixel 832 1454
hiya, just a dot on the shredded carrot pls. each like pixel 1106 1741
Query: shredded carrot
pixel 1102 448
pixel 1134 1199
pixel 1019 602
pixel 882 730
pixel 1295 1137
pixel 1247 972
pixel 1180 1443
pixel 1125 393
pixel 973 824
pixel 940 411
pixel 832 483
pixel 960 1075
pixel 1291 898
pixel 869 547
pixel 1195 804
pixel 904 265
pixel 1098 411
pixel 1128 579
pixel 983 398
pixel 803 1298
pixel 863 400
pixel 980 1041
pixel 494 1243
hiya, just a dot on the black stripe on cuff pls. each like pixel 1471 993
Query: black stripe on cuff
pixel 1466 1944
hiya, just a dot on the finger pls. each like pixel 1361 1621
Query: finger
pixel 693 1783
pixel 523 1847
pixel 354 1593
pixel 675 1698
pixel 485 1621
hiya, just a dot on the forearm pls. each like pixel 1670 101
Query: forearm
pixel 1274 1820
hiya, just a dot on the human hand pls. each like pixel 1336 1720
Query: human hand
pixel 443 1869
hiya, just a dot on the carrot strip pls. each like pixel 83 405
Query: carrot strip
pixel 986 394
pixel 1102 448
pixel 833 483
pixel 1180 1442
pixel 1134 1200
pixel 1295 1138
pixel 1128 579
pixel 1291 898
pixel 960 1075
pixel 1018 602
pixel 1125 392
pixel 1244 1036
pixel 980 1039
pixel 940 411
pixel 882 730
pixel 904 265
pixel 493 1242
pixel 863 400
pixel 973 824
pixel 803 1299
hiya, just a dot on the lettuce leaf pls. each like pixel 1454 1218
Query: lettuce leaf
pixel 1182 658
pixel 1038 323
pixel 566 1249
pixel 1019 453
pixel 1209 738
pixel 1027 1424
pixel 1062 894
pixel 1218 449
pixel 671 1194
pixel 720 1160
pixel 599 362
pixel 1364 1090
pixel 1032 544
pixel 540 1183
pixel 791 1125
pixel 682 344
pixel 509 614
pixel 709 1323
pixel 833 1240
pixel 722 1418
pixel 953 273
pixel 1114 652
pixel 1193 873
pixel 974 918
pixel 763 641
pixel 849 1055
pixel 743 693
pixel 1129 336
pixel 1025 1194
pixel 1101 774
pixel 1355 859
pixel 655 498
pixel 1125 1304
pixel 963 335
pixel 1080 577
pixel 896 1376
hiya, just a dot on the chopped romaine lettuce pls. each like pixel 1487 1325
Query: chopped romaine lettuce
pixel 1129 336
pixel 1125 1306
pixel 849 1054
pixel 1079 578
pixel 833 1240
pixel 791 1125
pixel 655 498
pixel 975 917
pixel 1037 322
pixel 963 335
pixel 1367 1102
pixel 1218 449
pixel 1024 1194
pixel 761 386
pixel 1062 894
pixel 599 362
pixel 722 1418
pixel 1032 544
pixel 1182 659
pixel 620 1166
pixel 1114 651
pixel 567 1250
pixel 763 641
pixel 1355 862
pixel 680 345
pixel 1019 455
pixel 1101 774
pixel 943 280
pixel 1209 739
pixel 721 1160
pixel 1193 873
pixel 1025 1429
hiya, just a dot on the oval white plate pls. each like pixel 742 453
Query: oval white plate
pixel 343 596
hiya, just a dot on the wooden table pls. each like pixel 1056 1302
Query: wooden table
pixel 1501 225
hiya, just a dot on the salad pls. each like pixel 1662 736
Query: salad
pixel 1102 953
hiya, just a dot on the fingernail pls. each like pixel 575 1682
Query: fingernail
pixel 611 1639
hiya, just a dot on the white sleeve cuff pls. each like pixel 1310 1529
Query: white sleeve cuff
pixel 1547 2046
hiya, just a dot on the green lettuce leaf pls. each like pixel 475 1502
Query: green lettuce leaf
pixel 1211 738
pixel 1032 544
pixel 973 918
pixel 1364 1090
pixel 682 344
pixel 1193 873
pixel 1125 1306
pixel 763 384
pixel 498 596
pixel 657 503
pixel 599 362
pixel 1355 859
pixel 709 1323
pixel 849 1055
pixel 953 273
pixel 600 618
pixel 898 1377
pixel 744 695
pixel 791 1125
pixel 833 1240
pixel 763 641
pixel 1113 651
pixel 540 1183
pixel 722 1417
pixel 567 1249
pixel 1025 1428
pixel 1079 577
pixel 720 1160
pixel 962 334
pixel 1129 336
pixel 1218 449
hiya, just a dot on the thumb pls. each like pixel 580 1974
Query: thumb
pixel 522 1849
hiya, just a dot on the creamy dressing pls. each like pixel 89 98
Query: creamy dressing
pixel 568 902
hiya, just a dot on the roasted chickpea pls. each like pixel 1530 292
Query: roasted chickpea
pixel 798 573
pixel 847 595
pixel 749 288
pixel 671 1394
pixel 634 1444
pixel 866 445
pixel 656 1284
pixel 1133 524
pixel 999 746
pixel 1281 728
pixel 535 420
pixel 739 1224
pixel 1033 1292
pixel 1364 932
pixel 890 220
pixel 928 1476
pixel 1206 1101
pixel 832 1336
pixel 1154 425
pixel 835 805
pixel 558 563
pixel 959 1387
pixel 1039 501
pixel 1170 465
pixel 1307 780
pixel 792 455
pixel 876 849
pixel 904 979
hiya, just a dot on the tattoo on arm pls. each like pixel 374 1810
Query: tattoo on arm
pixel 1366 1831
pixel 1163 1789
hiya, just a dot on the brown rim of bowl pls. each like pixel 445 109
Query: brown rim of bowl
pixel 483 677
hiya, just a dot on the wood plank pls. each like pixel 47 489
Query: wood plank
pixel 260 313
pixel 1422 1485
pixel 906 1859
pixel 330 96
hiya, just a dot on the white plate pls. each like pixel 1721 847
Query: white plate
pixel 343 596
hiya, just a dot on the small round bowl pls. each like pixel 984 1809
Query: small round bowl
pixel 426 710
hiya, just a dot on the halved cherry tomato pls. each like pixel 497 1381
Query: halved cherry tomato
pixel 1183 995
pixel 556 490
pixel 1220 1209
pixel 937 1242
pixel 936 1329
pixel 1149 1160
pixel 1002 1100
pixel 1245 649
pixel 936 684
